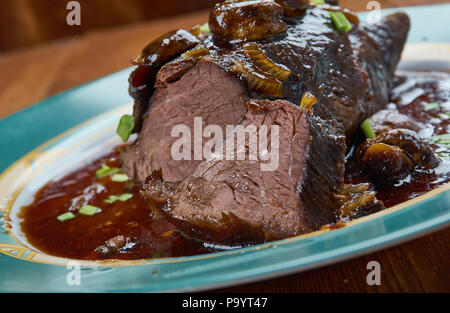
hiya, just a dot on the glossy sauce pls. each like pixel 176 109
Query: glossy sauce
pixel 122 230
pixel 412 91
pixel 131 230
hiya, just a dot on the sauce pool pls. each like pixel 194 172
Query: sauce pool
pixel 122 230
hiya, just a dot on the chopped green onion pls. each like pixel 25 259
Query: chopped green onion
pixel 125 127
pixel 447 113
pixel 125 196
pixel 89 210
pixel 444 116
pixel 340 21
pixel 66 216
pixel 444 155
pixel 441 139
pixel 120 178
pixel 112 199
pixel 318 2
pixel 431 106
pixel 367 129
pixel 105 170
pixel 205 28
pixel 122 197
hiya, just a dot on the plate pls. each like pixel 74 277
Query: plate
pixel 65 130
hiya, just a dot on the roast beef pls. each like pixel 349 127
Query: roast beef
pixel 235 201
pixel 348 73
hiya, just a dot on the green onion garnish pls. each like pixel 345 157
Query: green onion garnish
pixel 122 197
pixel 89 210
pixel 367 129
pixel 112 199
pixel 205 28
pixel 431 106
pixel 441 139
pixel 125 127
pixel 340 21
pixel 120 178
pixel 105 170
pixel 66 216
pixel 318 2
pixel 125 196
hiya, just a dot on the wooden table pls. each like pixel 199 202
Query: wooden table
pixel 30 75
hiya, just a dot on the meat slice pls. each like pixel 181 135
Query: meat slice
pixel 235 201
pixel 205 91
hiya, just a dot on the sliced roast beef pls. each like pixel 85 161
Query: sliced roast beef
pixel 236 201
pixel 205 91
pixel 347 77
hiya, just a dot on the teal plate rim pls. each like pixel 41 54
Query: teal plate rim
pixel 57 114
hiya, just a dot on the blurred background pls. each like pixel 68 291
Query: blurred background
pixel 29 22
pixel 41 55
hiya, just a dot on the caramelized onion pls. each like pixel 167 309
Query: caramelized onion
pixel 264 63
pixel 307 102
pixel 259 80
pixel 196 53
